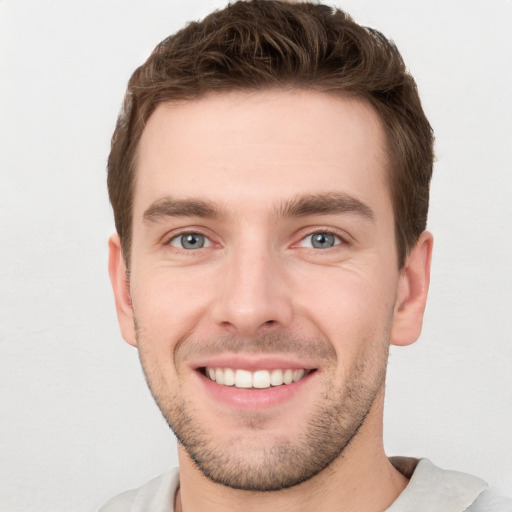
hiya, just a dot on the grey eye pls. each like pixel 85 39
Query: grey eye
pixel 190 241
pixel 320 240
pixel 323 240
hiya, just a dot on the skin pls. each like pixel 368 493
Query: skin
pixel 259 292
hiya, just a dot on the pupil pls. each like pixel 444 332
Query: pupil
pixel 322 240
pixel 192 241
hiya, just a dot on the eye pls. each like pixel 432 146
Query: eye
pixel 320 240
pixel 190 241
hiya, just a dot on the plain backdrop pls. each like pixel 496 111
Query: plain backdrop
pixel 77 423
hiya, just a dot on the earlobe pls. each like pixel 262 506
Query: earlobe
pixel 412 292
pixel 121 289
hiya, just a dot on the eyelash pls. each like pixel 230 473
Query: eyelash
pixel 167 241
pixel 326 231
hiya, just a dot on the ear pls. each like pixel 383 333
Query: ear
pixel 121 288
pixel 412 292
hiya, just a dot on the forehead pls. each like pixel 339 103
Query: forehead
pixel 261 147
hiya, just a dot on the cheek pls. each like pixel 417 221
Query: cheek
pixel 352 307
pixel 168 304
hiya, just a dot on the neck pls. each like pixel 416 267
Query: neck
pixel 362 478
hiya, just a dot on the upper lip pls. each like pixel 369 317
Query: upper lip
pixel 253 362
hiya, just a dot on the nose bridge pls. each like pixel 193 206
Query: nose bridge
pixel 254 294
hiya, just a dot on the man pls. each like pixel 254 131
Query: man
pixel 269 175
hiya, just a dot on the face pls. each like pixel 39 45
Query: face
pixel 263 286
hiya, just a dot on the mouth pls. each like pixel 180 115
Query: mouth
pixel 258 379
pixel 251 382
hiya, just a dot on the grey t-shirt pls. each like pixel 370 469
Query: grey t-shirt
pixel 430 489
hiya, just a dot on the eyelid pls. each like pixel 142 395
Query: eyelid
pixel 189 230
pixel 304 233
pixel 178 239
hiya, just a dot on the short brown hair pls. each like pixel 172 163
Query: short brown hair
pixel 261 44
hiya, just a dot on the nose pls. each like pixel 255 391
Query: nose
pixel 253 295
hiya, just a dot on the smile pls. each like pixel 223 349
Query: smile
pixel 259 379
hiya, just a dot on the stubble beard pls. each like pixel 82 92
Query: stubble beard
pixel 248 464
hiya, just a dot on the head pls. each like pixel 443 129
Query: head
pixel 257 45
pixel 269 175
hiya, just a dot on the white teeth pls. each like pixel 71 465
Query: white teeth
pixel 259 379
pixel 276 377
pixel 229 377
pixel 243 379
pixel 297 375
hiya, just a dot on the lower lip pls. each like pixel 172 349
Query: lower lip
pixel 254 398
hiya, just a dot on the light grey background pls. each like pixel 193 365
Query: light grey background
pixel 77 423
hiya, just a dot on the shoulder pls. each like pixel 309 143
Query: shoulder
pixel 156 495
pixel 432 489
pixel 491 500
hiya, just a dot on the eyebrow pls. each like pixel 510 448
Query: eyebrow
pixel 331 203
pixel 169 207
